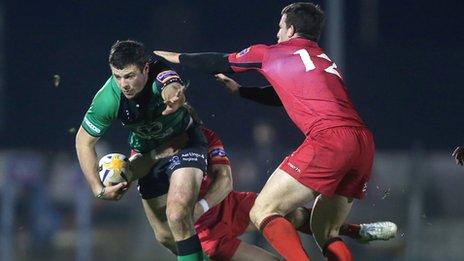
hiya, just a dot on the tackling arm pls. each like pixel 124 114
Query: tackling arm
pixel 220 187
pixel 265 95
pixel 207 62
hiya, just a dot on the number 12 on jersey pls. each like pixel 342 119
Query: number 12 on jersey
pixel 309 64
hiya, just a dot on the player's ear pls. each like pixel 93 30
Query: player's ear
pixel 146 68
pixel 291 31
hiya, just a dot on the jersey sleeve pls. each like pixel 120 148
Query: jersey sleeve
pixel 102 111
pixel 264 95
pixel 216 151
pixel 250 58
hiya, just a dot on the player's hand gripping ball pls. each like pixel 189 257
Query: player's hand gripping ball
pixel 113 168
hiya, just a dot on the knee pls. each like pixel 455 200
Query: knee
pixel 178 213
pixel 259 212
pixel 254 215
pixel 299 216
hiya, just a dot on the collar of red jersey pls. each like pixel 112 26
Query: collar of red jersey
pixel 300 41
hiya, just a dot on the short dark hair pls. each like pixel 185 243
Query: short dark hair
pixel 128 52
pixel 306 18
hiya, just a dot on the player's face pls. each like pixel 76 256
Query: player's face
pixel 284 33
pixel 130 79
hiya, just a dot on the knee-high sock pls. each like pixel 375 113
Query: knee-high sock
pixel 281 234
pixel 189 249
pixel 336 250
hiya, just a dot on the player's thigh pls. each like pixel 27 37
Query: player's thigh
pixel 280 195
pixel 247 252
pixel 328 214
pixel 184 186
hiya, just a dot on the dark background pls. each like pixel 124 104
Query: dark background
pixel 405 79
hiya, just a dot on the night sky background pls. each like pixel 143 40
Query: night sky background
pixel 404 79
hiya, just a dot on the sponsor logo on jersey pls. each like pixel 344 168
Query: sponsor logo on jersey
pixel 364 188
pixel 153 131
pixel 173 162
pixel 295 168
pixel 218 152
pixel 192 155
pixel 91 126
pixel 242 52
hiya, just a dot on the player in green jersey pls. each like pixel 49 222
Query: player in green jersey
pixel 147 97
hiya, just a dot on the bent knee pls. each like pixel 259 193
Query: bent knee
pixel 299 216
pixel 260 212
pixel 178 214
pixel 255 214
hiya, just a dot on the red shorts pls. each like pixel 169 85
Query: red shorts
pixel 219 228
pixel 334 161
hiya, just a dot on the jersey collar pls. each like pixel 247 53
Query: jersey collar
pixel 300 41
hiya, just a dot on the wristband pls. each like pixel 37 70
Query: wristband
pixel 204 205
pixel 102 193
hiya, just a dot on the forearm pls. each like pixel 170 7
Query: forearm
pixel 220 187
pixel 207 62
pixel 87 157
pixel 263 95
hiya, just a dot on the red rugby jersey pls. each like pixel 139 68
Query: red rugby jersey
pixel 305 79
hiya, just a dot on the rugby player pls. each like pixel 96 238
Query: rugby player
pixel 147 97
pixel 222 214
pixel 333 164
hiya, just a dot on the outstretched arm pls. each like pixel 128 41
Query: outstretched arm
pixel 264 95
pixel 206 62
pixel 250 58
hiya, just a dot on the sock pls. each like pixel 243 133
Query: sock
pixel 189 249
pixel 281 234
pixel 306 226
pixel 336 250
pixel 350 230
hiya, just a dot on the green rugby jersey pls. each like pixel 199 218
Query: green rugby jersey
pixel 141 115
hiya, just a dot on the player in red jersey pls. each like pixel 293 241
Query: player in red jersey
pixel 334 163
pixel 221 214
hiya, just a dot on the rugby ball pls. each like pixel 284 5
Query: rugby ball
pixel 113 168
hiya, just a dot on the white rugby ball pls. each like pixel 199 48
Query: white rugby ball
pixel 113 168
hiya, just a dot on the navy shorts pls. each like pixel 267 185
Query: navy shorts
pixel 194 155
